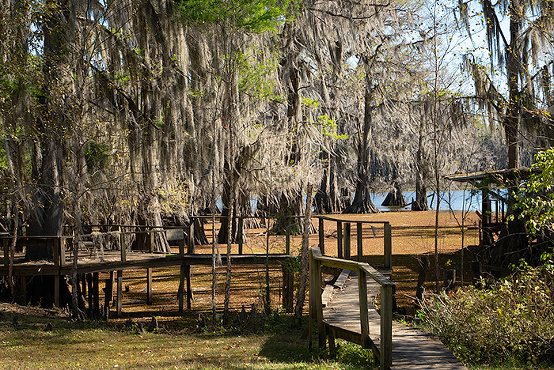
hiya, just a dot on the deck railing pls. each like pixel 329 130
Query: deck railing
pixel 317 260
pixel 344 230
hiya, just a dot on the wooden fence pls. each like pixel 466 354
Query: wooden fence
pixel 344 231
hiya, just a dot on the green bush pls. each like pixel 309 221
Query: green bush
pixel 507 321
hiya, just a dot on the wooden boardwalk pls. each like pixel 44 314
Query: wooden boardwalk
pixel 411 348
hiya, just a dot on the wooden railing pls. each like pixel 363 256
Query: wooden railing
pixel 344 238
pixel 317 260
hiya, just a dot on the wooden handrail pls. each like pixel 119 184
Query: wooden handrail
pixel 387 238
pixel 363 269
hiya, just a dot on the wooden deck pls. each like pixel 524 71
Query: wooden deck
pixel 411 348
pixel 59 263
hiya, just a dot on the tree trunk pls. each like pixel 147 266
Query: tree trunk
pixel 394 198
pixel 47 216
pixel 511 120
pixel 362 201
pixel 327 199
pixel 304 260
pixel 420 201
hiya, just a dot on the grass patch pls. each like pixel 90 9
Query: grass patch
pixel 36 339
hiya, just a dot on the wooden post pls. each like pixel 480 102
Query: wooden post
pixel 62 241
pixel 83 278
pixel 321 236
pixel 111 286
pixel 187 270
pixel 190 239
pixel 57 289
pixel 387 291
pixel 347 230
pixel 188 273
pixel 122 247
pixel 181 291
pixel 388 246
pixel 149 285
pixel 364 313
pixel 288 286
pixel 55 250
pixel 90 292
pixel 359 241
pixel 6 248
pixel 151 240
pixel 22 290
pixel 96 293
pixel 56 246
pixel 287 241
pixel 108 292
pixel 339 239
pixel 119 293
pixel 315 295
pixel 240 236
pixel 182 248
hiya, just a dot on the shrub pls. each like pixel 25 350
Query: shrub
pixel 510 320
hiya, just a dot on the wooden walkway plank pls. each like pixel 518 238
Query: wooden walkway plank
pixel 411 348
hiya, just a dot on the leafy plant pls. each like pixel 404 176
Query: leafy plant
pixel 535 198
pixel 510 320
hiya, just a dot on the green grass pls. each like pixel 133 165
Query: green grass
pixel 41 341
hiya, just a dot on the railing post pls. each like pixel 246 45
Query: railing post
pixel 311 303
pixel 386 326
pixel 364 312
pixel 122 247
pixel 149 286
pixel 347 231
pixel 240 236
pixel 190 239
pixel 339 239
pixel 316 304
pixel 388 246
pixel 287 241
pixel 62 250
pixel 119 293
pixel 359 241
pixel 57 248
pixel 151 240
pixel 321 236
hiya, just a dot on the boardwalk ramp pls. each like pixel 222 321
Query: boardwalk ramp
pixel 411 348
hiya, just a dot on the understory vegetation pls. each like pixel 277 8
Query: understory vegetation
pixel 509 321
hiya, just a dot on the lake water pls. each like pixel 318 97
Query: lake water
pixel 450 200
